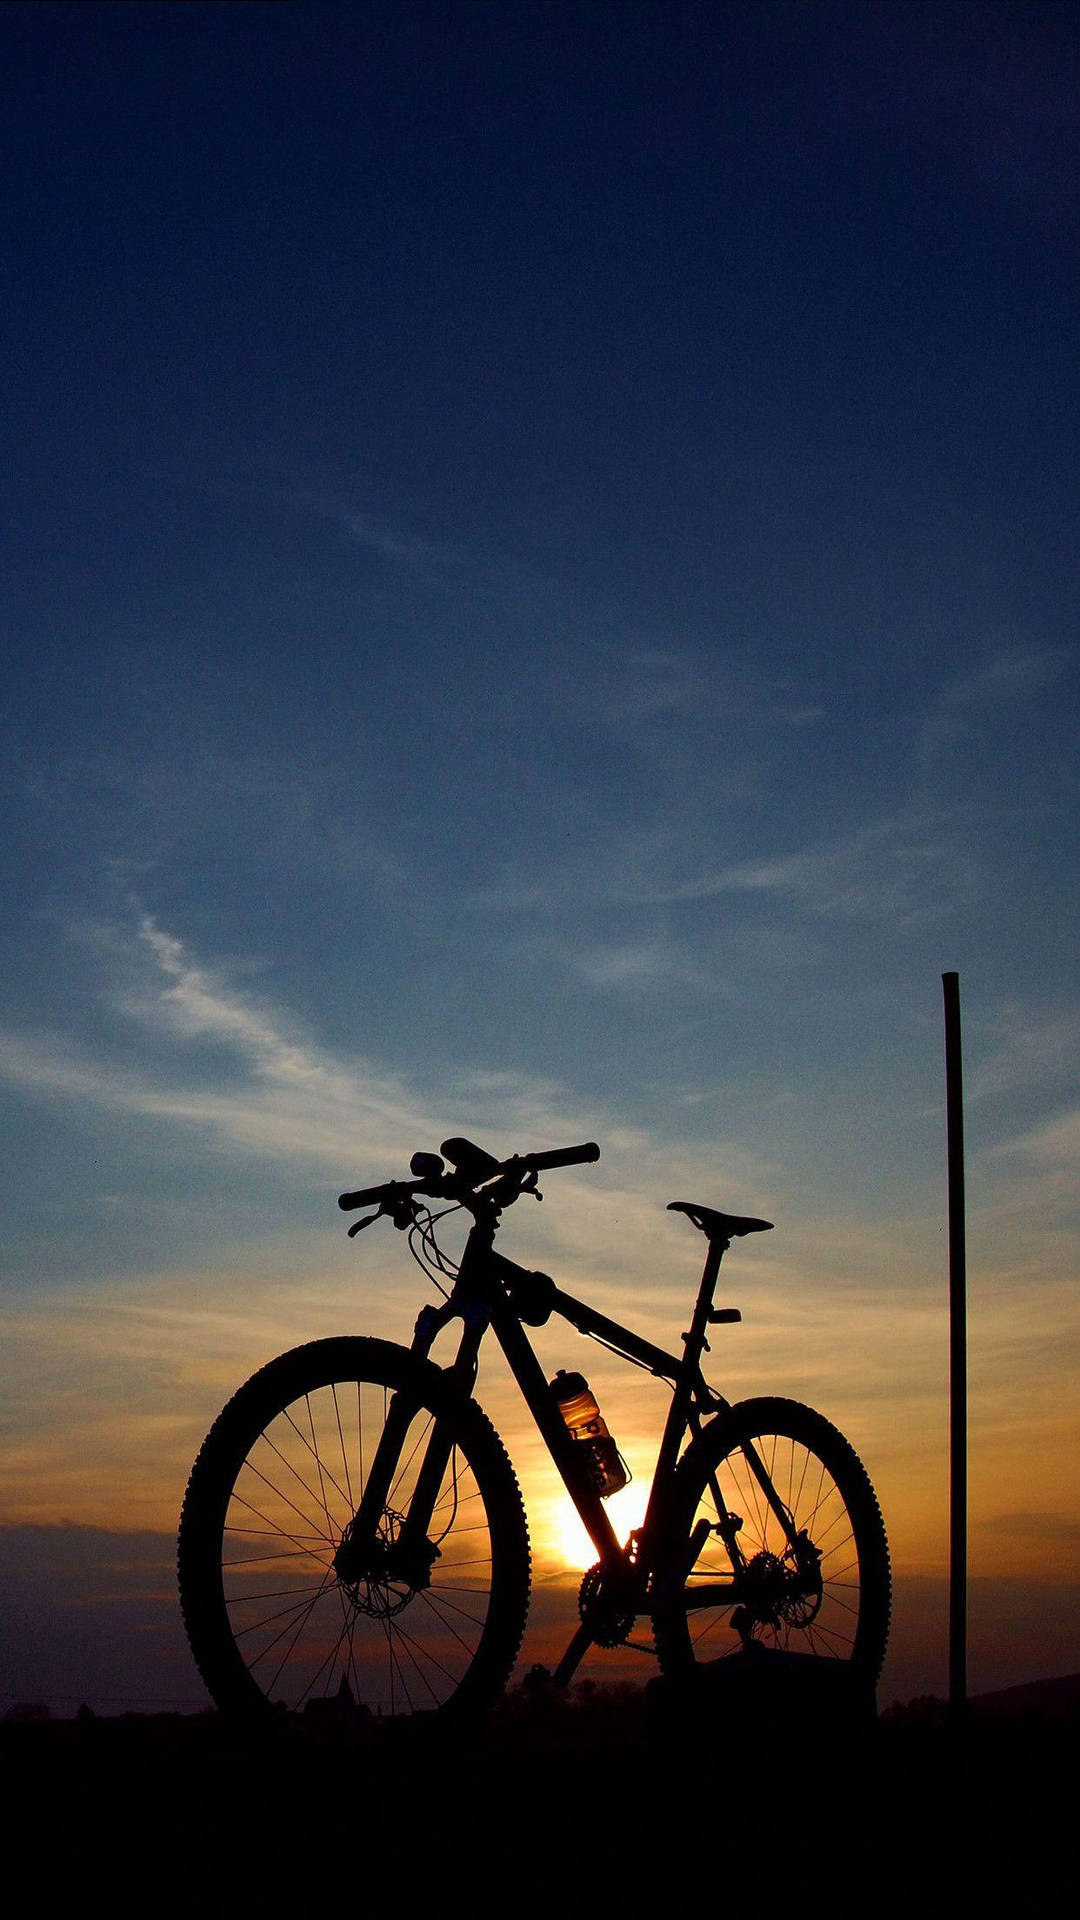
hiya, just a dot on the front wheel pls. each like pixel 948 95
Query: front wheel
pixel 277 1612
pixel 775 1536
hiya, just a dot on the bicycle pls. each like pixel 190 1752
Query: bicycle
pixel 353 1538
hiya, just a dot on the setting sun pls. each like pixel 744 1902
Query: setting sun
pixel 566 1539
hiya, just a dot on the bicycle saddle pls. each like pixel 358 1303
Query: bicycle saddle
pixel 718 1226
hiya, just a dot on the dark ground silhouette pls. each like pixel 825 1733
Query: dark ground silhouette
pixel 614 1766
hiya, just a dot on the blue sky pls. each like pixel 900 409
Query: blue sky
pixel 540 598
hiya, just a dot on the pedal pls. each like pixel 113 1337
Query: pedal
pixel 723 1316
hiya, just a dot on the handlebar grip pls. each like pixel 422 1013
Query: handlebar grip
pixel 364 1198
pixel 563 1156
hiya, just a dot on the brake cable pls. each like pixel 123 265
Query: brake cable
pixel 426 1251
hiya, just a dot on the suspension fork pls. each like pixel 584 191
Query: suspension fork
pixel 470 1300
pixel 412 1547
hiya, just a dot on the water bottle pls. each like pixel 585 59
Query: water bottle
pixel 588 1428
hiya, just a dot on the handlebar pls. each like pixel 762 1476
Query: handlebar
pixel 563 1156
pixel 455 1186
pixel 369 1196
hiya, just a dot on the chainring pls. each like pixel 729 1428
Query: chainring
pixel 604 1615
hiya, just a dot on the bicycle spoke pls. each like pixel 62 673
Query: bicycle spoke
pixel 344 1455
pixel 435 1600
pixel 312 1448
pixel 283 1593
pixel 319 1499
pixel 301 1613
pixel 327 1663
pixel 392 1496
pixel 252 1468
pixel 268 1533
pixel 260 1559
pixel 407 1649
pixel 395 1668
pixel 412 1646
pixel 320 1543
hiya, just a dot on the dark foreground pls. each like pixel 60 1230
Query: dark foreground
pixel 596 1786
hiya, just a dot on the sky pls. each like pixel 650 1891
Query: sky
pixel 539 591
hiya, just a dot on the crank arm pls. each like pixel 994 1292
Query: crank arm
pixel 572 1658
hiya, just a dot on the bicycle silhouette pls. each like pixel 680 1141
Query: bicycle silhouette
pixel 353 1537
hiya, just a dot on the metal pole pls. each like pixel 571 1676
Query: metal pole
pixel 954 1109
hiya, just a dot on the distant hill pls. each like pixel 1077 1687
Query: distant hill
pixel 1050 1699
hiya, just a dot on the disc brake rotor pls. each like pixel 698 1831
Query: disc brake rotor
pixel 382 1586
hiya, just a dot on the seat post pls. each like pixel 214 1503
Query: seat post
pixel 717 1248
pixel 690 1371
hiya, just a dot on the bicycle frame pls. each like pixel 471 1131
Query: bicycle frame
pixel 493 1292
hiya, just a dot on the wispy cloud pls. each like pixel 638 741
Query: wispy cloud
pixel 623 966
pixel 908 866
pixel 896 867
pixel 403 546
pixel 1027 1048
pixel 293 1098
pixel 1057 1527
pixel 1053 1145
pixel 1003 681
pixel 671 704
pixel 407 546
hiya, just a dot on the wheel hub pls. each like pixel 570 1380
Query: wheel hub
pixel 782 1591
pixel 383 1575
pixel 802 1598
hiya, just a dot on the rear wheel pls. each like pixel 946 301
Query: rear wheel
pixel 277 1615
pixel 813 1579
